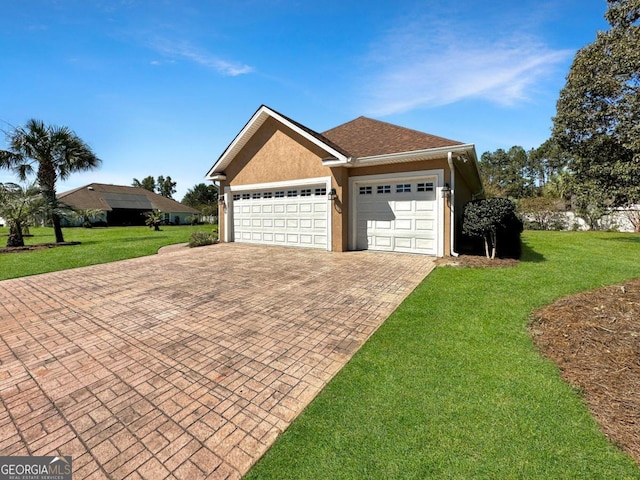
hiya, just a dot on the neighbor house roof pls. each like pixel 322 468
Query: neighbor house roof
pixel 99 196
pixel 365 137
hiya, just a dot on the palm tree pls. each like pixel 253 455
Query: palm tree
pixel 57 152
pixel 154 219
pixel 18 206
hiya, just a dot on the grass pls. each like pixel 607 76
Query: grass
pixel 452 387
pixel 98 245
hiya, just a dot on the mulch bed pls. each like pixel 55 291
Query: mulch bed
pixel 40 246
pixel 594 338
pixel 477 261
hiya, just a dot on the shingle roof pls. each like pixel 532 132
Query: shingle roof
pixel 100 196
pixel 365 137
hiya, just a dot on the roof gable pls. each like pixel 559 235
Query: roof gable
pixel 365 137
pixel 252 126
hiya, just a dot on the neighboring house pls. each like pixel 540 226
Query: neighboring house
pixel 122 205
pixel 365 184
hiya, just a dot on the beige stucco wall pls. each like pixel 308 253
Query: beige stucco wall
pixel 276 154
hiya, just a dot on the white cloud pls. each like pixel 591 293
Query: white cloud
pixel 427 67
pixel 189 52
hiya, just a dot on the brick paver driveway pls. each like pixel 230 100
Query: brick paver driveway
pixel 187 364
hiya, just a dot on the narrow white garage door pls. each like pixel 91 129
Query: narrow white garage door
pixel 397 216
pixel 292 216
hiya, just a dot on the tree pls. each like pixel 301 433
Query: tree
pixel 201 196
pixel 154 219
pixel 166 187
pixel 492 218
pixel 148 183
pixel 18 206
pixel 546 162
pixel 506 173
pixel 56 151
pixel 597 122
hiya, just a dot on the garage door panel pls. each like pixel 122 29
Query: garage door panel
pixel 400 217
pixel 293 217
pixel 404 224
pixel 403 206
pixel 425 225
pixel 403 242
pixel 320 240
pixel 424 205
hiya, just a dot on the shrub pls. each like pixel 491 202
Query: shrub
pixel 200 239
pixel 542 213
pixel 490 219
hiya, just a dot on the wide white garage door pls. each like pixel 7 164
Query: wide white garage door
pixel 397 216
pixel 292 216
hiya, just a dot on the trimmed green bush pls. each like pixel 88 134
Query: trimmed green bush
pixel 200 239
pixel 490 219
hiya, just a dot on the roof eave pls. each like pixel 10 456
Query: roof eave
pixel 216 177
pixel 412 156
pixel 337 162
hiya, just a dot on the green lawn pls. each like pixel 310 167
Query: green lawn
pixel 98 245
pixel 451 385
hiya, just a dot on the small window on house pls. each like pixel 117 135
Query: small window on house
pixel 256 196
pixel 236 196
pixel 246 196
pixel 267 195
pixel 279 194
pixel 403 188
pixel 306 192
pixel 320 191
pixel 382 189
pixel 292 193
pixel 425 187
pixel 368 190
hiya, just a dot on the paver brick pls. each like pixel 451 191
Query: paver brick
pixel 191 374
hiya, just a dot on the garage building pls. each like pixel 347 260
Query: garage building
pixel 364 185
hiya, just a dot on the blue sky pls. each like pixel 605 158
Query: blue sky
pixel 162 87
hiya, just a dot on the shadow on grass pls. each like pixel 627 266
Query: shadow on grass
pixel 628 237
pixel 530 255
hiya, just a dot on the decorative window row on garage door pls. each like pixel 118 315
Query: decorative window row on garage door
pixel 397 188
pixel 274 194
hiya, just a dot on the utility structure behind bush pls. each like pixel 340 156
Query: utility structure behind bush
pixel 490 219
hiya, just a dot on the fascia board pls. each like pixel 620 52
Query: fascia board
pixel 401 157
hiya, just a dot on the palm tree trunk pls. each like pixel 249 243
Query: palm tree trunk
pixel 15 239
pixel 46 179
pixel 57 228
